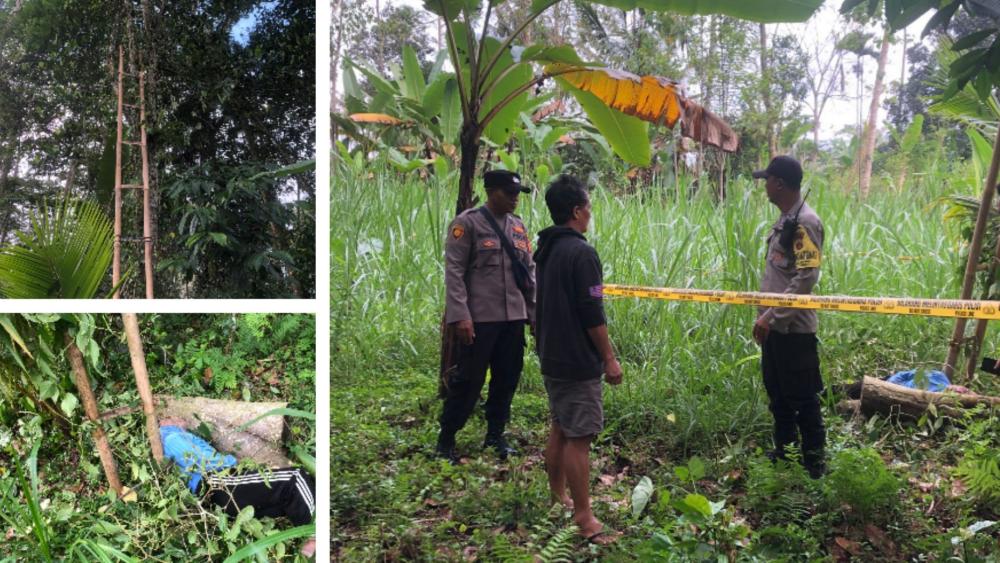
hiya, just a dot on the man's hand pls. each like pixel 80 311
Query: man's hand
pixel 612 371
pixel 465 332
pixel 760 330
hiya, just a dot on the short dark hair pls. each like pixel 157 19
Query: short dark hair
pixel 563 195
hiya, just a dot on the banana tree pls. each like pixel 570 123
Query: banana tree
pixel 493 79
pixel 413 113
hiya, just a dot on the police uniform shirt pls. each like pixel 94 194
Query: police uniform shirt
pixel 797 273
pixel 479 282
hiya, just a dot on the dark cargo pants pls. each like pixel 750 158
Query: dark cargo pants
pixel 498 346
pixel 790 363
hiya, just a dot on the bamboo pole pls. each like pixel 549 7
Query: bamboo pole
pixel 134 339
pixel 116 264
pixel 147 229
pixel 975 249
pixel 90 409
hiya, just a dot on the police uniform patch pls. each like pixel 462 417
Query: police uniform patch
pixel 806 252
pixel 457 231
pixel 518 229
pixel 489 243
pixel 521 245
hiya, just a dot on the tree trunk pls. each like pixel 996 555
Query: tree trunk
pixel 871 128
pixel 772 141
pixel 882 397
pixel 228 424
pixel 90 409
pixel 975 249
pixel 470 155
pixel 131 322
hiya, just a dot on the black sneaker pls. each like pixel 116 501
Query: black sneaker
pixel 499 444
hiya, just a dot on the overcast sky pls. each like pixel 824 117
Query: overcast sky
pixel 839 113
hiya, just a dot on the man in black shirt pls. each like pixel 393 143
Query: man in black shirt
pixel 574 348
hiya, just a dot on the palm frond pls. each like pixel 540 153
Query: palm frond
pixel 64 254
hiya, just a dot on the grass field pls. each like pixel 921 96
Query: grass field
pixel 692 387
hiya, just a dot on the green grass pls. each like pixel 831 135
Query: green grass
pixel 692 383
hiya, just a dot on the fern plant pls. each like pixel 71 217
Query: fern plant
pixel 982 475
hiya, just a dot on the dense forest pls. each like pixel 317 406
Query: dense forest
pixel 230 121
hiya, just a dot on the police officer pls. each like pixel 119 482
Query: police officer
pixel 487 310
pixel 789 359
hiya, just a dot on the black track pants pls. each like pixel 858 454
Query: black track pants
pixel 277 492
pixel 499 347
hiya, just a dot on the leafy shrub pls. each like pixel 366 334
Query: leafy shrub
pixel 859 479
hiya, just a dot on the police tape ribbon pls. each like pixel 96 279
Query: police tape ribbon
pixel 898 306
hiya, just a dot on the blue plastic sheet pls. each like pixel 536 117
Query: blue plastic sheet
pixel 932 380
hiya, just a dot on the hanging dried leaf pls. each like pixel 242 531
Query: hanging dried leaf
pixel 650 98
pixel 382 118
pixel 704 126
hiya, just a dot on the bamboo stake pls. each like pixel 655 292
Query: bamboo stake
pixel 147 230
pixel 90 409
pixel 975 249
pixel 134 339
pixel 116 264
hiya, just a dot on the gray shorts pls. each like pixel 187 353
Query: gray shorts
pixel 576 406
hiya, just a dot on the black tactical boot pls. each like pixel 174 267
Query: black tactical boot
pixel 815 463
pixel 445 448
pixel 496 441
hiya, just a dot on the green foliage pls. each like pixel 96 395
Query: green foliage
pixel 558 549
pixel 982 475
pixel 65 254
pixel 859 479
pixel 782 492
pixel 233 236
pixel 212 100
pixel 79 519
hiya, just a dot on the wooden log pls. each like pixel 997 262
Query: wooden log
pixel 882 397
pixel 134 339
pixel 260 441
pixel 90 409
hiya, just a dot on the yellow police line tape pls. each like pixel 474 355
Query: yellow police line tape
pixel 891 305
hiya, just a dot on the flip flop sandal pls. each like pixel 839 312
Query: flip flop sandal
pixel 608 536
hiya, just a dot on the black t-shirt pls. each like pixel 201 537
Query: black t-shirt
pixel 570 300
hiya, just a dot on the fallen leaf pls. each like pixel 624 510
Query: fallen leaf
pixel 839 555
pixel 206 376
pixel 958 488
pixel 880 540
pixel 607 480
pixel 10 534
pixel 470 553
pixel 852 547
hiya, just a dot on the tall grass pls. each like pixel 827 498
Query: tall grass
pixel 696 362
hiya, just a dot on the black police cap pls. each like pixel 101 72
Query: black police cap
pixel 504 179
pixel 784 167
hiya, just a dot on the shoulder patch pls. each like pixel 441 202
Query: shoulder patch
pixel 518 229
pixel 457 232
pixel 806 252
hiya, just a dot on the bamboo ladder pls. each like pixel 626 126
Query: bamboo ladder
pixel 147 231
